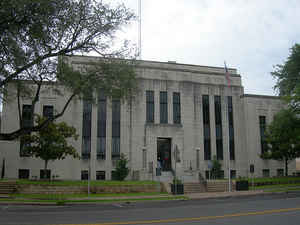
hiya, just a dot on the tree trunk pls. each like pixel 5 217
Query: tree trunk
pixel 286 167
pixel 45 170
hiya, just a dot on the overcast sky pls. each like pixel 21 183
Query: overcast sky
pixel 251 35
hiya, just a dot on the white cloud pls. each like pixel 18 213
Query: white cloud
pixel 251 35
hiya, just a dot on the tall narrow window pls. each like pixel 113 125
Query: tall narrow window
pixel 176 108
pixel 150 106
pixel 101 127
pixel 144 158
pixel 198 159
pixel 218 120
pixel 48 111
pixel 231 129
pixel 163 107
pixel 116 116
pixel 262 128
pixel 27 121
pixel 86 129
pixel 206 126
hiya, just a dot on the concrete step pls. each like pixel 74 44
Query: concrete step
pixel 7 187
pixel 194 188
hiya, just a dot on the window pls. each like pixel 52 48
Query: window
pixel 197 158
pixel 280 172
pixel 206 126
pixel 262 128
pixel 207 174
pixel 219 135
pixel 150 106
pixel 232 174
pixel 222 174
pixel 86 129
pixel 116 116
pixel 101 127
pixel 27 121
pixel 45 175
pixel 84 174
pixel 48 111
pixel 100 175
pixel 23 174
pixel 163 107
pixel 144 158
pixel 231 129
pixel 266 173
pixel 176 108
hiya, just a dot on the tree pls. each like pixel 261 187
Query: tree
pixel 216 168
pixel 36 36
pixel 122 170
pixel 50 143
pixel 288 78
pixel 283 137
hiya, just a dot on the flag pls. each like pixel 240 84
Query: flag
pixel 227 75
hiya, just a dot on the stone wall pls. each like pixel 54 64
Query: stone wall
pixel 50 189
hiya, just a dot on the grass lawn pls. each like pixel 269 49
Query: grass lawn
pixel 274 179
pixel 85 183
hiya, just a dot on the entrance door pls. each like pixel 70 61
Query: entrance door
pixel 164 153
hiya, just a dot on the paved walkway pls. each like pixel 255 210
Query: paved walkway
pixel 223 194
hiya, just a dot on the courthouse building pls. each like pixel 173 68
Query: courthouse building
pixel 180 109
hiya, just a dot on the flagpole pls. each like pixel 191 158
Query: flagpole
pixel 229 175
pixel 140 28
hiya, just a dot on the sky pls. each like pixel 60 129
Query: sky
pixel 250 35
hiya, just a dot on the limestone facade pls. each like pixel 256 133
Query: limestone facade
pixel 140 140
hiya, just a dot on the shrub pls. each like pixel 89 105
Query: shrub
pixel 122 170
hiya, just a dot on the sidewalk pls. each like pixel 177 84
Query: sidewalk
pixel 206 195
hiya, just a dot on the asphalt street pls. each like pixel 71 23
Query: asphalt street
pixel 263 209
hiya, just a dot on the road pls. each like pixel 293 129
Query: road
pixel 274 209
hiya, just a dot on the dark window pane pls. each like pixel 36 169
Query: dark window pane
pixel 176 108
pixel 27 118
pixel 115 148
pixel 207 151
pixel 150 106
pixel 206 127
pixel 100 175
pixel 101 126
pixel 262 128
pixel 116 117
pixel 233 174
pixel 163 107
pixel 44 175
pixel 23 174
pixel 48 111
pixel 86 129
pixel 84 175
pixel 266 173
pixel 218 121
pixel 231 128
pixel 101 146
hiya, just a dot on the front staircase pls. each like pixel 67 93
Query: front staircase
pixel 7 187
pixel 219 186
pixel 194 188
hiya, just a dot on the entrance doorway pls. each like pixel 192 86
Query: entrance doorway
pixel 164 153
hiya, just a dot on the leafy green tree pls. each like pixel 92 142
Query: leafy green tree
pixel 50 143
pixel 216 168
pixel 122 169
pixel 36 38
pixel 288 78
pixel 283 137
